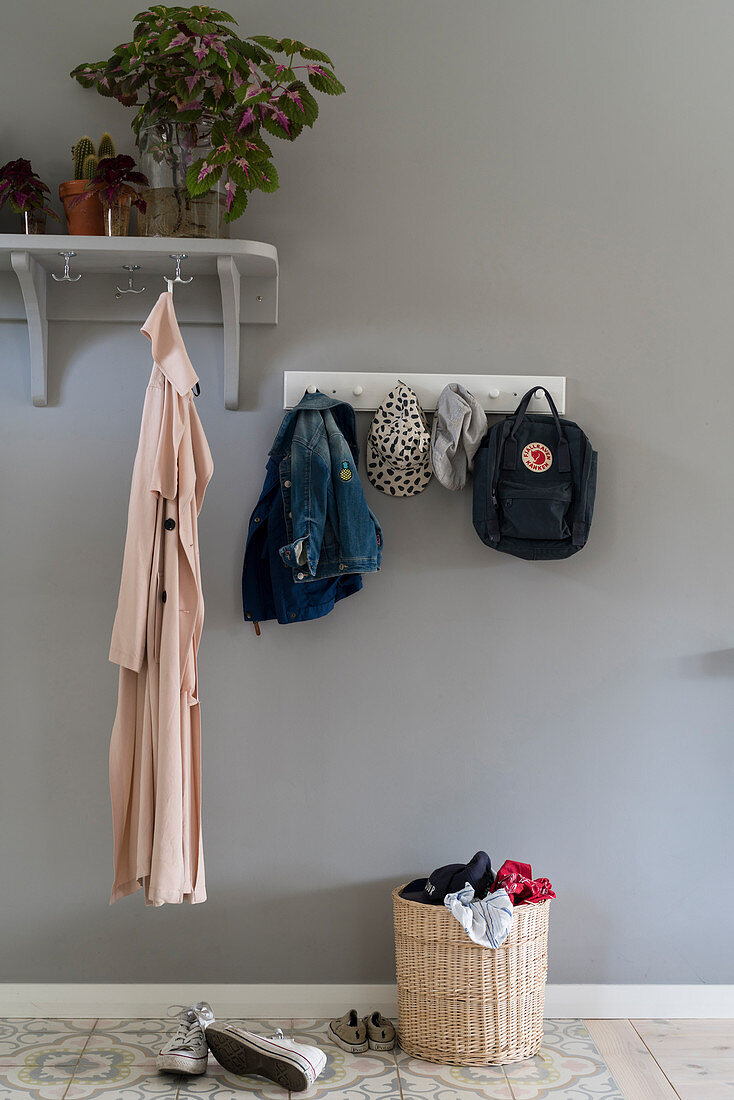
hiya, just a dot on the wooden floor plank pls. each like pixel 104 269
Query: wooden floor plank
pixel 696 1056
pixel 694 1038
pixel 630 1062
pixel 615 1037
pixel 703 1090
pixel 699 1078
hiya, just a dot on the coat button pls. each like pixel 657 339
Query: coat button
pixel 257 519
pixel 293 614
pixel 287 484
pixel 301 576
pixel 169 524
pixel 164 597
pixel 342 566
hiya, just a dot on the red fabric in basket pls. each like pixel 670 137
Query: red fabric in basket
pixel 518 881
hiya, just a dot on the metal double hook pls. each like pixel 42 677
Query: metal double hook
pixel 177 278
pixel 66 277
pixel 178 257
pixel 131 269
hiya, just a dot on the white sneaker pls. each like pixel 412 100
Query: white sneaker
pixel 293 1065
pixel 187 1051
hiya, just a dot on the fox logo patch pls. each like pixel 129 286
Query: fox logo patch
pixel 537 457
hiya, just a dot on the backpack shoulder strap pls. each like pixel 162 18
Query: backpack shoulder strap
pixel 494 448
pixel 580 527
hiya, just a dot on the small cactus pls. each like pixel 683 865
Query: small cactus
pixel 83 148
pixel 89 167
pixel 106 147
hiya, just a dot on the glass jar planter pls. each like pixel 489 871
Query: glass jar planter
pixel 166 154
pixel 34 221
pixel 116 215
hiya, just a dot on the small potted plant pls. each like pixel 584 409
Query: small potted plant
pixel 203 98
pixel 26 192
pixel 113 183
pixel 83 209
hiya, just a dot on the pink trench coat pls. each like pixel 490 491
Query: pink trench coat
pixel 155 752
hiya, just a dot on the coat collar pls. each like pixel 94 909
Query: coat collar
pixel 317 400
pixel 169 351
pixel 343 414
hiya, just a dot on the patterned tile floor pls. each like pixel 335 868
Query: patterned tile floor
pixel 115 1060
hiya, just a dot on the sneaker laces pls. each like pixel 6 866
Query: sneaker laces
pixel 193 1020
pixel 204 1013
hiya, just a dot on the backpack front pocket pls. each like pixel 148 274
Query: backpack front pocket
pixel 534 512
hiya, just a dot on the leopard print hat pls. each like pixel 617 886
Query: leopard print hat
pixel 398 450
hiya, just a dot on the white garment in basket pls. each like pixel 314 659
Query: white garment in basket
pixel 487 922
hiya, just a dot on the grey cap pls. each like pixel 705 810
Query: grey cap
pixel 459 426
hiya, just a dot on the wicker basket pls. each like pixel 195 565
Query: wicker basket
pixel 466 1005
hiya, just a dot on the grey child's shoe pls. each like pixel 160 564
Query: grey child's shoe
pixel 380 1032
pixel 349 1032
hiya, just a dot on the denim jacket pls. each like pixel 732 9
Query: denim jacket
pixel 330 528
pixel 311 533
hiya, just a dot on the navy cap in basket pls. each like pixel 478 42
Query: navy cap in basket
pixel 450 879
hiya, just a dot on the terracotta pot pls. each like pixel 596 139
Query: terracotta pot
pixel 84 215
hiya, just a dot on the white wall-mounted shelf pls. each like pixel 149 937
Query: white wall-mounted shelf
pixel 497 393
pixel 235 282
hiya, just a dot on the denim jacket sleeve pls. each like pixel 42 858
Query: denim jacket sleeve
pixel 304 483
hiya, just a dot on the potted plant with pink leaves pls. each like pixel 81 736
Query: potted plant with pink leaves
pixel 116 181
pixel 25 192
pixel 206 101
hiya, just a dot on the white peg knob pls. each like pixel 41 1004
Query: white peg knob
pixel 538 395
pixel 311 388
pixel 494 394
pixel 357 391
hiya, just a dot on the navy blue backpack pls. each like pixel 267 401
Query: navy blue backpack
pixel 534 485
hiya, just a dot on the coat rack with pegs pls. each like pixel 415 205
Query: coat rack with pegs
pixel 497 393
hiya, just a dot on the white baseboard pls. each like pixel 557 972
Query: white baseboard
pixel 135 1000
pixel 640 1002
pixel 81 1001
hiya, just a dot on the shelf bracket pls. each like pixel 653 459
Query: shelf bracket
pixel 32 279
pixel 244 292
pixel 229 284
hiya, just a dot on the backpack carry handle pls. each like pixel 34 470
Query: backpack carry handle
pixel 510 454
pixel 525 400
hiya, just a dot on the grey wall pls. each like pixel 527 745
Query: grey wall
pixel 525 186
